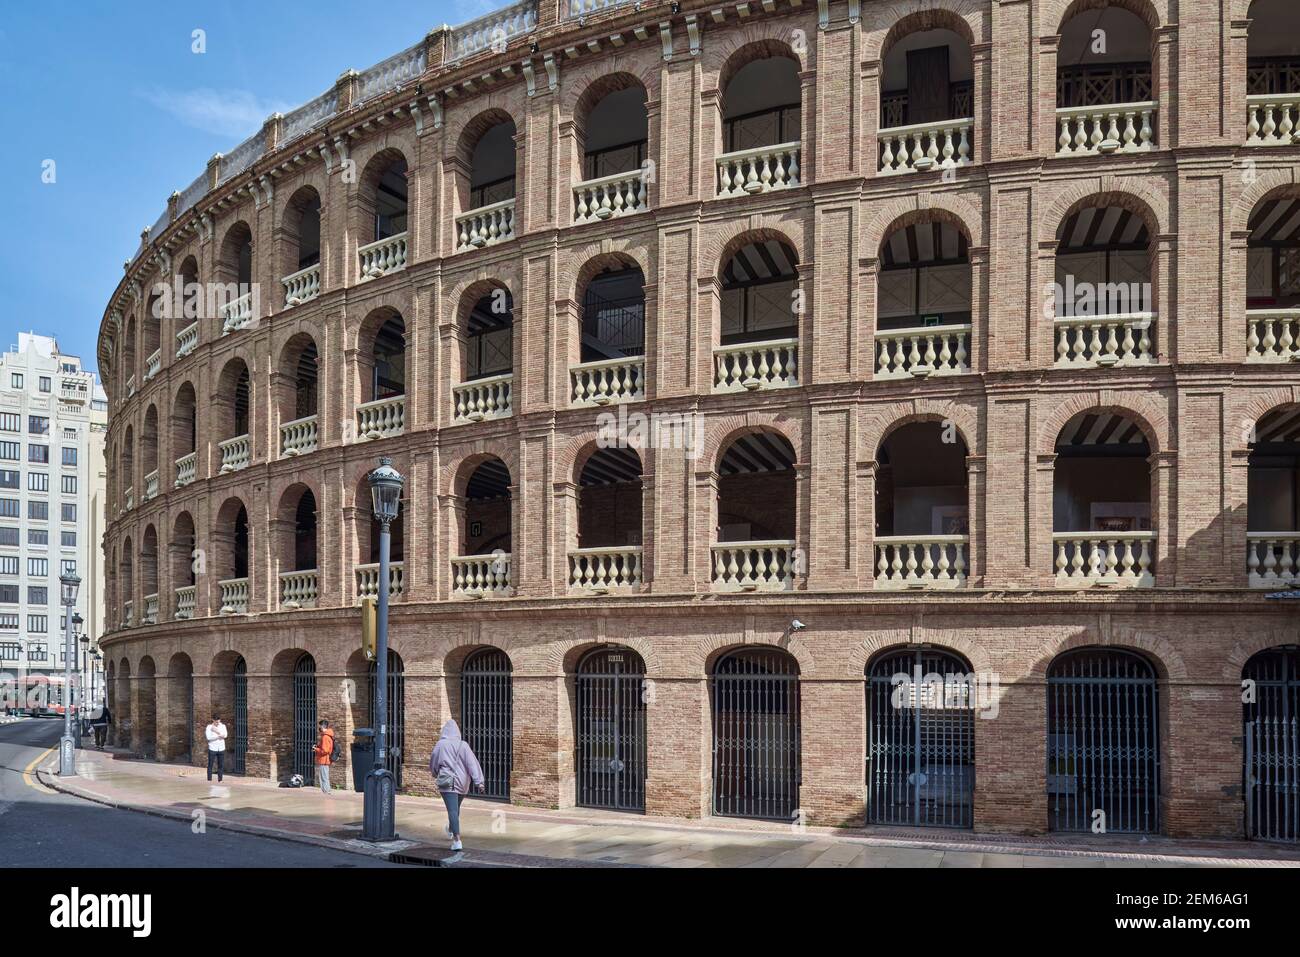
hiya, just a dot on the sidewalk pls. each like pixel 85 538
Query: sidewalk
pixel 505 835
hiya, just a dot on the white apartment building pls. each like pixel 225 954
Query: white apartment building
pixel 53 421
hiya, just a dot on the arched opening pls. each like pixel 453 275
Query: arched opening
pixel 487 716
pixel 192 306
pixel 368 529
pixel 1105 94
pixel 607 358
pixel 760 308
pixel 611 729
pixel 756 514
pixel 230 539
pixel 1273 500
pixel 483 566
pixel 1103 295
pixel 1273 279
pixel 299 581
pixel 923 301
pixel 304 718
pixel 927 101
pixel 298 396
pixel 761 122
pixel 754 698
pixel 229 689
pixel 920 738
pixel 184 577
pixel 613 134
pixel 146 690
pixel 185 434
pixel 233 292
pixel 300 247
pixel 1270 706
pixel 232 407
pixel 382 202
pixel 1101 502
pixel 1273 74
pixel 126 575
pixel 1108 695
pixel 178 743
pixel 395 712
pixel 489 335
pixel 149 452
pixel 492 166
pixel 129 380
pixel 383 375
pixel 149 575
pixel 922 512
pixel 608 547
pixel 485 181
pixel 128 468
pixel 152 321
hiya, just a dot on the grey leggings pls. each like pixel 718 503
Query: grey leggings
pixel 452 800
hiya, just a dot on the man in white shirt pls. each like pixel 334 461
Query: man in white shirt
pixel 216 735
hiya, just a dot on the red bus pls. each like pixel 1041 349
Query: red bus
pixel 40 696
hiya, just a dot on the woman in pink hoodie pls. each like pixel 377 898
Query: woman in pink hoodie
pixel 454 767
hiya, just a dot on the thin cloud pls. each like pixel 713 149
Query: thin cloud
pixel 234 113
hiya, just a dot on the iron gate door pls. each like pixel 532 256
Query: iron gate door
pixel 611 730
pixel 239 746
pixel 396 733
pixel 1272 745
pixel 756 765
pixel 920 740
pixel 304 719
pixel 1103 743
pixel 486 717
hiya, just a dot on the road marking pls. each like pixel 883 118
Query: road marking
pixel 28 778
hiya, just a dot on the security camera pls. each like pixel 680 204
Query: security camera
pixel 797 625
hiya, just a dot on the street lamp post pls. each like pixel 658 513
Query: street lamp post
pixel 67 761
pixel 380 803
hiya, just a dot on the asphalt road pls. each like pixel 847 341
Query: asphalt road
pixel 41 828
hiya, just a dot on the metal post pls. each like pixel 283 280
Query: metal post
pixel 67 760
pixel 379 815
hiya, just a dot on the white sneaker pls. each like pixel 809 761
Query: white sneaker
pixel 446 829
pixel 455 845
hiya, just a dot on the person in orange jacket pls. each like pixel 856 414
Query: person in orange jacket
pixel 324 756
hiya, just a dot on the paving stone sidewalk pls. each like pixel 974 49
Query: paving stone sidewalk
pixel 504 835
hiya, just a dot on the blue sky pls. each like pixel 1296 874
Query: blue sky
pixel 114 95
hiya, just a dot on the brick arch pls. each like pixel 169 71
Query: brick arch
pixel 724 431
pixel 950 208
pixel 455 475
pixel 1261 405
pixel 1250 644
pixel 1153 420
pixel 704 656
pixel 955 640
pixel 573 457
pixel 585 264
pixel 375 155
pixel 1124 192
pixel 450 654
pixel 722 58
pixel 480 282
pixel 282 485
pixel 885 420
pixel 465 133
pixel 562 657
pixel 760 229
pixel 358 334
pixel 1270 184
pixel 966 18
pixel 1163 655
pixel 587 88
pixel 1155 14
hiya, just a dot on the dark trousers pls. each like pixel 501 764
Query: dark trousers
pixel 217 758
pixel 101 732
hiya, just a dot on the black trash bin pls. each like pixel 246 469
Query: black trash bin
pixel 363 756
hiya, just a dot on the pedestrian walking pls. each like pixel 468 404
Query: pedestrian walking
pixel 325 756
pixel 454 767
pixel 216 735
pixel 100 719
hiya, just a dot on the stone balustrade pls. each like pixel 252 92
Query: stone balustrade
pixel 944 144
pixel 595 200
pixel 382 257
pixel 236 453
pixel 186 599
pixel 922 351
pixel 128 613
pixel 1124 339
pixel 1111 128
pixel 481 576
pixel 486 226
pixel 382 418
pixel 1273 559
pixel 187 340
pixel 754 566
pixel 153 365
pixel 237 314
pixel 1085 559
pixel 921 561
pixel 611 380
pixel 129 497
pixel 599 570
pixel 368 580
pixel 479 399
pixel 150 616
pixel 758 170
pixel 302 286
pixel 151 485
pixel 493 31
pixel 1273 119
pixel 1273 335
pixel 749 366
pixel 187 469
pixel 130 385
pixel 298 589
pixel 298 437
pixel 234 596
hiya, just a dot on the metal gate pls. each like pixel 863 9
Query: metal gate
pixel 611 730
pixel 486 716
pixel 304 719
pixel 1103 743
pixel 239 745
pixel 920 739
pixel 1272 745
pixel 396 733
pixel 756 764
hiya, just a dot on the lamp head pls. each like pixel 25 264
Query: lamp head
pixel 386 490
pixel 68 586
